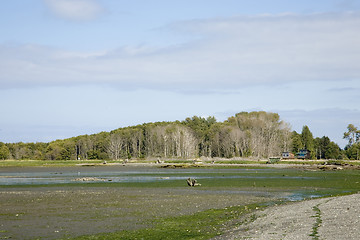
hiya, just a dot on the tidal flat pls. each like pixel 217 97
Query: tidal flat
pixel 128 202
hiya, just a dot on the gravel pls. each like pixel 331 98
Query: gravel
pixel 325 218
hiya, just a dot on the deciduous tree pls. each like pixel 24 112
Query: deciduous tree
pixel 4 151
pixel 352 135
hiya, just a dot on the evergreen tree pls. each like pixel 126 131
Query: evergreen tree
pixel 353 152
pixel 296 142
pixel 308 140
pixel 326 149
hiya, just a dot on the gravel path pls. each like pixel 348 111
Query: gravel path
pixel 326 218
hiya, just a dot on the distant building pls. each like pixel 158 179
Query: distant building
pixel 287 155
pixel 303 154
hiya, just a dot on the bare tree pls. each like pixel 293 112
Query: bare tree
pixel 115 145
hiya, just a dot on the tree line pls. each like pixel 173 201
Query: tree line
pixel 247 134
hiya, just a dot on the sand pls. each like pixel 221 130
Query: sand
pixel 325 218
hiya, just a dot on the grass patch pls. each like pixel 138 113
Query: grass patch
pixel 53 163
pixel 241 162
pixel 317 224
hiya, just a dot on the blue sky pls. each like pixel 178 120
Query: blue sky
pixel 71 67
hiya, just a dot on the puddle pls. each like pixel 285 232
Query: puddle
pixel 299 196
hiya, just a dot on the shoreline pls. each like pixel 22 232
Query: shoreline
pixel 322 218
pixel 303 164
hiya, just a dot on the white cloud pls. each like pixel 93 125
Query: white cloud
pixel 230 54
pixel 78 10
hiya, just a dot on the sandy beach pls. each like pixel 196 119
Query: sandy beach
pixel 325 218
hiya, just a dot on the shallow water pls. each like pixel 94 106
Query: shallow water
pixel 116 174
pixel 284 184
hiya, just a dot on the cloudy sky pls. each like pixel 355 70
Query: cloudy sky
pixel 71 67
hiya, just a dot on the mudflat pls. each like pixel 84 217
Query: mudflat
pixel 73 208
pixel 60 212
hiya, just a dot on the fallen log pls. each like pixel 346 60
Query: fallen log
pixel 89 179
pixel 192 182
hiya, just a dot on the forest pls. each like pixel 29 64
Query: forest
pixel 257 135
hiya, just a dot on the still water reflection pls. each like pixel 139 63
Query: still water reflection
pixel 35 176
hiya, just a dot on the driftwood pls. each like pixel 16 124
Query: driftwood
pixel 89 179
pixel 192 182
pixel 158 161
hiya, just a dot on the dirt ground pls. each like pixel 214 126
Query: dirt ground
pixel 327 218
pixel 58 212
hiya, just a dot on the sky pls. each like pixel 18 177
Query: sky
pixel 74 67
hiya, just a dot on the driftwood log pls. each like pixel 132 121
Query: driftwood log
pixel 89 179
pixel 192 182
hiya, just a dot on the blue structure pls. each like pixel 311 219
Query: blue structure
pixel 303 154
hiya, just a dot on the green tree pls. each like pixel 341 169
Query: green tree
pixel 4 151
pixel 334 152
pixel 61 150
pixel 326 149
pixel 307 140
pixel 99 147
pixel 259 134
pixel 353 152
pixel 296 142
pixel 53 151
pixel 201 127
